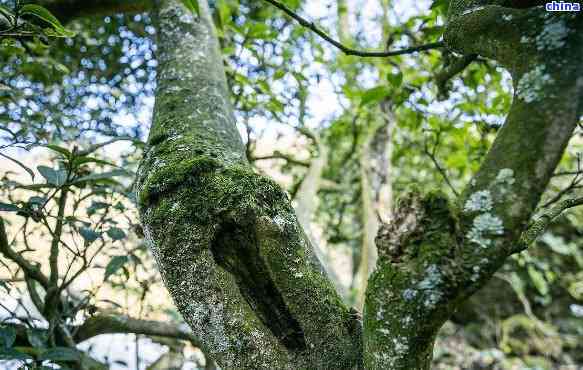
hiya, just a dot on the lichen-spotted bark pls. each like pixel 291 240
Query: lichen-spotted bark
pixel 226 240
pixel 413 290
pixel 434 255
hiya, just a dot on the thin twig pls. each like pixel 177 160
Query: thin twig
pixel 28 269
pixel 346 50
pixel 433 156
pixel 573 185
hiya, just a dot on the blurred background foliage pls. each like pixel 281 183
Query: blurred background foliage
pixel 345 136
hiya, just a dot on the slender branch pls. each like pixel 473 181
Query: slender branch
pixel 54 254
pixel 449 71
pixel 280 155
pixel 346 50
pixel 433 156
pixel 542 223
pixel 573 185
pixel 111 324
pixel 28 269
pixel 95 147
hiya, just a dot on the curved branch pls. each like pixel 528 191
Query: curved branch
pixel 539 226
pixel 114 324
pixel 345 49
pixel 118 324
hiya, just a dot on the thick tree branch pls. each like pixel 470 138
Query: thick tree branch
pixel 118 324
pixel 66 10
pixel 431 257
pixel 451 70
pixel 345 49
pixel 226 240
pixel 112 324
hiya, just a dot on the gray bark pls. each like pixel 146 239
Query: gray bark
pixel 229 247
pixel 241 269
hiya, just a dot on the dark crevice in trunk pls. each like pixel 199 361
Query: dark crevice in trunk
pixel 235 248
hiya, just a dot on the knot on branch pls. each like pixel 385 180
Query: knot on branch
pixel 417 219
pixel 405 225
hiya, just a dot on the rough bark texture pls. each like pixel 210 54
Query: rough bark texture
pixel 435 254
pixel 227 242
pixel 241 269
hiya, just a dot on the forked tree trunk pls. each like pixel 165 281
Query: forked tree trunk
pixel 239 266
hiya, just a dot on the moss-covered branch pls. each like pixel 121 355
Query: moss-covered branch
pixel 433 255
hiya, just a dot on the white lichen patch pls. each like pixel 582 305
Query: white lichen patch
pixel 400 345
pixel 553 35
pixel 475 273
pixel 480 201
pixel 503 182
pixel 472 10
pixel 506 176
pixel 532 85
pixel 409 294
pixel 483 228
pixel 431 286
pixel 384 331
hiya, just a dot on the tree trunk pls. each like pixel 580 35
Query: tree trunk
pixel 239 266
pixel 230 249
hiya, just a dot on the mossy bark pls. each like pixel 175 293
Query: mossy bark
pixel 239 266
pixel 434 255
pixel 227 242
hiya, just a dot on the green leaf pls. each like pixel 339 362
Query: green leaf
pixel 8 207
pixel 7 336
pixel 60 354
pixel 37 337
pixel 374 95
pixel 192 5
pixel 37 200
pixel 83 160
pixel 395 79
pixel 116 233
pixel 88 234
pixel 45 15
pixel 11 354
pixel 66 153
pixel 53 177
pixel 7 13
pixel 538 280
pixel 116 263
pixel 100 176
pixel 95 206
